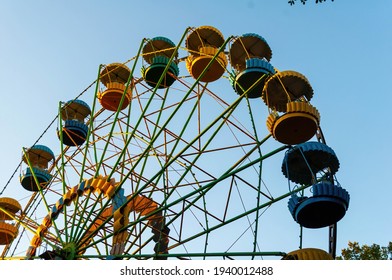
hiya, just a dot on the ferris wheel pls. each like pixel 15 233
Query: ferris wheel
pixel 155 162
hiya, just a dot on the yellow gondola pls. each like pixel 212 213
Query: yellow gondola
pixel 203 44
pixel 284 87
pixel 114 77
pixel 8 233
pixel 8 206
pixel 297 125
pixel 308 254
pixel 114 72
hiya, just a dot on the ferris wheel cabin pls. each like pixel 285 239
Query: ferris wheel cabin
pixel 36 175
pixel 162 70
pixel 249 56
pixel 205 62
pixel 327 205
pixel 74 130
pixel 8 208
pixel 118 92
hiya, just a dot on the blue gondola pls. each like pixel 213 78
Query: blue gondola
pixel 325 207
pixel 38 158
pixel 302 162
pixel 74 130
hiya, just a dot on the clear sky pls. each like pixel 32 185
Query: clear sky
pixel 50 51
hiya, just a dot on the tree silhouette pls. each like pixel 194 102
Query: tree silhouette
pixel 365 252
pixel 292 2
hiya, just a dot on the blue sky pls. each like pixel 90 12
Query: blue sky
pixel 50 51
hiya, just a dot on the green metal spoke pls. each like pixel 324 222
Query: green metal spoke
pixel 204 189
pixel 159 132
pixel 244 214
pixel 41 192
pixel 91 125
pixel 194 255
pixel 62 172
pixel 259 181
pixel 130 77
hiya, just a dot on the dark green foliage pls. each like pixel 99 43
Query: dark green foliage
pixel 292 2
pixel 365 252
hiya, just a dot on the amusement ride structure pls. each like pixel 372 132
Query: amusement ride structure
pixel 152 163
